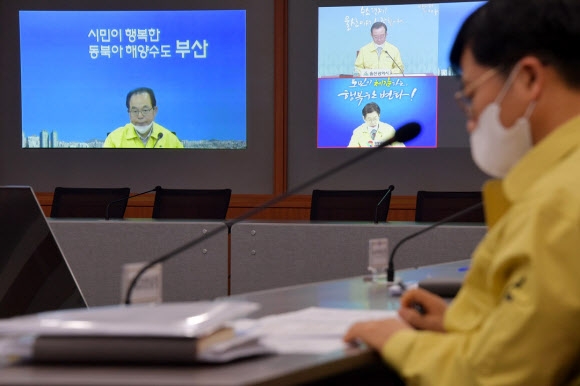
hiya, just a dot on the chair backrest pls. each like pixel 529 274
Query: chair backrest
pixel 195 204
pixel 89 202
pixel 349 205
pixel 434 206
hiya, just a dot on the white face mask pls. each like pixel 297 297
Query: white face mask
pixel 495 148
pixel 143 129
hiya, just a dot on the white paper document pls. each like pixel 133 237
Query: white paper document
pixel 313 330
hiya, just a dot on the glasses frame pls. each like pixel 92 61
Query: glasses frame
pixel 461 97
pixel 145 112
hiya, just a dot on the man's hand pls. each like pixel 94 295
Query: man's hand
pixel 420 309
pixel 423 310
pixel 375 333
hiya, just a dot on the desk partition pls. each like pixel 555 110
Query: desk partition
pixel 97 249
pixel 263 255
pixel 267 255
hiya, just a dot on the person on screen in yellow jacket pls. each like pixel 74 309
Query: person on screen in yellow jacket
pixel 372 132
pixel 379 54
pixel 142 132
pixel 516 319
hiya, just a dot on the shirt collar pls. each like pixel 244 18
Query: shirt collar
pixel 377 128
pixel 541 158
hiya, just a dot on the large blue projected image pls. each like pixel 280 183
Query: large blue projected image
pixel 401 100
pixel 78 66
pixel 395 55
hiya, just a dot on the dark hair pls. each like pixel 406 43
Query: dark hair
pixel 501 32
pixel 141 90
pixel 377 25
pixel 369 108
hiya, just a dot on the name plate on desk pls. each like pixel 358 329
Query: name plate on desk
pixel 383 72
pixel 149 287
pixel 366 72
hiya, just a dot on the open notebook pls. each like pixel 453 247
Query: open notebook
pixel 34 274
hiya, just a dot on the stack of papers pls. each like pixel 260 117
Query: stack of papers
pixel 312 330
pixel 160 333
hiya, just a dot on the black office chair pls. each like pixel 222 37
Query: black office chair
pixel 433 206
pixel 89 202
pixel 349 205
pixel 198 204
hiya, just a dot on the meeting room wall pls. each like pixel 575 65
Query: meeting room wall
pixel 250 171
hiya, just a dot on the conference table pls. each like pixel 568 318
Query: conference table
pixel 353 365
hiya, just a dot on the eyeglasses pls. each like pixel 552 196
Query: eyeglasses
pixel 464 97
pixel 145 111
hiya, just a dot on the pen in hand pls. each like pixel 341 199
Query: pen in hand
pixel 419 308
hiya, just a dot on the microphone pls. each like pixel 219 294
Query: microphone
pixel 389 192
pixel 396 64
pixel 391 266
pixel 158 138
pixel 403 134
pixel 126 198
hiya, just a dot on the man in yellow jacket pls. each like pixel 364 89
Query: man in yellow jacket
pixel 142 132
pixel 379 54
pixel 516 318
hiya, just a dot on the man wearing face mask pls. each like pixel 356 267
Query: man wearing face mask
pixel 142 132
pixel 515 319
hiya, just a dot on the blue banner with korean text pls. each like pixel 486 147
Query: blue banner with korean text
pixel 401 99
pixel 78 66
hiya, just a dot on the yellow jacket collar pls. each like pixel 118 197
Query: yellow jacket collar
pixel 498 195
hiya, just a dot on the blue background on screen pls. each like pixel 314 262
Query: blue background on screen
pixel 338 117
pixel 65 90
pixel 451 17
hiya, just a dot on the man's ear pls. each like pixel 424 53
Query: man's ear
pixel 533 72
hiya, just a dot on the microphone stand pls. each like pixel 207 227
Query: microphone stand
pixel 404 134
pixel 155 189
pixel 389 191
pixel 158 138
pixel 391 266
pixel 396 64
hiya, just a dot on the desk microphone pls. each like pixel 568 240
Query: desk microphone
pixel 396 64
pixel 155 189
pixel 158 138
pixel 389 193
pixel 391 266
pixel 405 133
